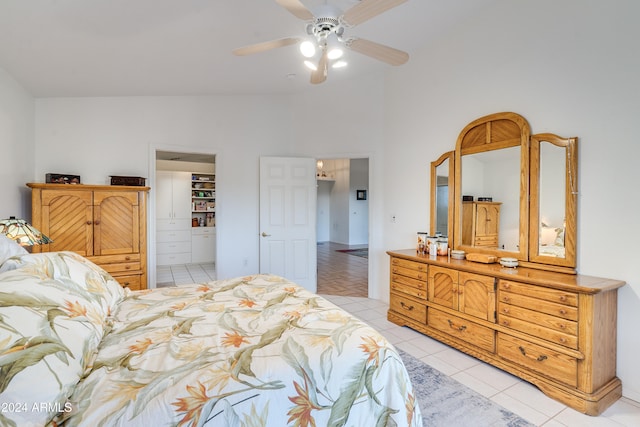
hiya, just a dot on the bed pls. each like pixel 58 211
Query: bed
pixel 76 349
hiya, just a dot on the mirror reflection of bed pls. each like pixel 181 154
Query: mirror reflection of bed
pixel 552 200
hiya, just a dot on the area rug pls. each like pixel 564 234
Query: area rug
pixel 362 252
pixel 445 402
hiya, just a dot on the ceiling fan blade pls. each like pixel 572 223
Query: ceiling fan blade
pixel 320 74
pixel 378 51
pixel 261 47
pixel 368 9
pixel 297 9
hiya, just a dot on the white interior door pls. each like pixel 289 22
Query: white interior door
pixel 288 219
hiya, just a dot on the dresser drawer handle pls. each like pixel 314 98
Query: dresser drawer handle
pixel 405 306
pixel 563 311
pixel 505 310
pixel 394 262
pixel 505 286
pixel 395 270
pixel 505 299
pixel 459 328
pixel 563 298
pixel 540 358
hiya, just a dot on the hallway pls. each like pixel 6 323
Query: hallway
pixel 340 273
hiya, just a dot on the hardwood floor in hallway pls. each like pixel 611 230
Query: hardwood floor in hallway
pixel 340 273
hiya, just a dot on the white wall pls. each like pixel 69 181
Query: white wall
pixel 570 68
pixel 113 136
pixel 323 214
pixel 17 112
pixel 358 209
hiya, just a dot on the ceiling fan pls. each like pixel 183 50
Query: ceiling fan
pixel 327 29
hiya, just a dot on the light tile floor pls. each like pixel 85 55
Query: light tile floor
pixel 170 275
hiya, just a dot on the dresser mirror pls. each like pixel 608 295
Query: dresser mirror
pixel 554 188
pixel 514 194
pixel 491 207
pixel 442 190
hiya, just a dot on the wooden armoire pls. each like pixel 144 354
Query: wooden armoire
pixel 106 224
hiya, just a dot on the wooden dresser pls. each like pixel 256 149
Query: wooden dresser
pixel 554 330
pixel 107 224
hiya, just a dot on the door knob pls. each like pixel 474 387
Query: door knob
pixel 265 234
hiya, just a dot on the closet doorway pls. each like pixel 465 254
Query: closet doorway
pixel 343 226
pixel 185 227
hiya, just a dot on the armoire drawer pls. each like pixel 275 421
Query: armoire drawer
pixel 463 329
pixel 553 364
pixel 408 308
pixel 129 281
pixel 114 268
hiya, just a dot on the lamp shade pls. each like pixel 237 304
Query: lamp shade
pixel 22 232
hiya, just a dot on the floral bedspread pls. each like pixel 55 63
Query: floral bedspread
pixel 252 351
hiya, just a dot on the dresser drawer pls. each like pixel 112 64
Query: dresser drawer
pixel 406 264
pixel 563 311
pixel 408 272
pixel 546 294
pixel 471 332
pixel 408 308
pixel 554 329
pixel 399 284
pixel 409 281
pixel 555 365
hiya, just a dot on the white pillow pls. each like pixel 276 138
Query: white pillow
pixel 9 248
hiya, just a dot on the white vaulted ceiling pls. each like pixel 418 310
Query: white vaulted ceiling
pixel 183 47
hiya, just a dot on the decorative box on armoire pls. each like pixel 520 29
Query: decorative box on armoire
pixel 106 224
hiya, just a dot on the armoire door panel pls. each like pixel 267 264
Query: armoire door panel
pixel 115 222
pixel 68 221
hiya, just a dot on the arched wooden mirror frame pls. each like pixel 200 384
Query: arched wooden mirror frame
pixel 567 232
pixel 436 177
pixel 494 132
pixel 504 130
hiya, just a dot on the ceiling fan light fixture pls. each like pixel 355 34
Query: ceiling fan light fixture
pixel 310 65
pixel 335 53
pixel 307 49
pixel 339 64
